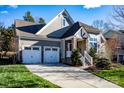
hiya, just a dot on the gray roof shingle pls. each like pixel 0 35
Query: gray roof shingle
pixel 31 29
pixel 76 26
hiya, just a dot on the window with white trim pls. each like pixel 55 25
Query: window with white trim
pixel 93 42
pixel 27 48
pixel 69 47
pixel 64 22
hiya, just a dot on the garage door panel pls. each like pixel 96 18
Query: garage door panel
pixel 32 55
pixel 51 55
pixel 26 56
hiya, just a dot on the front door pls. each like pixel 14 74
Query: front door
pixel 81 45
pixel 69 50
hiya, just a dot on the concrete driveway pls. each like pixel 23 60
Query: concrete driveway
pixel 70 77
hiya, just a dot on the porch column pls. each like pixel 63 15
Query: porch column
pixel 74 43
pixel 87 45
pixel 63 49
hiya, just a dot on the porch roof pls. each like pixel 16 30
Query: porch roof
pixel 76 26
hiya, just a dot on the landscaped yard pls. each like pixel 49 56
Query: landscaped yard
pixel 19 76
pixel 115 75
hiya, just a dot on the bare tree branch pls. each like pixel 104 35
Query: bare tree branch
pixel 118 13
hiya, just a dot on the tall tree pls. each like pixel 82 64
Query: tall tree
pixel 119 13
pixel 101 25
pixel 118 16
pixel 28 17
pixel 42 21
pixel 6 38
pixel 2 28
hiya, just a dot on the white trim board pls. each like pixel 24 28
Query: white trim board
pixel 49 39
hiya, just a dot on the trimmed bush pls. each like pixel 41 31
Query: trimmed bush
pixel 103 63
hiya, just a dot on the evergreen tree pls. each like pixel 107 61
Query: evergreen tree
pixel 41 21
pixel 28 17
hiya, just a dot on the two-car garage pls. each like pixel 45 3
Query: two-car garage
pixel 38 54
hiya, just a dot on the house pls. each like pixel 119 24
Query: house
pixel 55 41
pixel 115 41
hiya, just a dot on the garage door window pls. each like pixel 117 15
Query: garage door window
pixel 35 48
pixel 27 48
pixel 54 49
pixel 47 49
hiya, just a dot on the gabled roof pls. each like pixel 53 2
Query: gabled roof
pixel 89 29
pixel 76 26
pixel 73 29
pixel 31 29
pixel 65 15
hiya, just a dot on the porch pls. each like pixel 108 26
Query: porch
pixel 82 45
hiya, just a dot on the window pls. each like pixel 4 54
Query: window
pixel 35 48
pixel 64 22
pixel 121 58
pixel 54 49
pixel 81 32
pixel 93 39
pixel 69 47
pixel 93 44
pixel 47 49
pixel 27 48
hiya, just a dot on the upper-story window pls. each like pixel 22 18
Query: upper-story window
pixel 64 22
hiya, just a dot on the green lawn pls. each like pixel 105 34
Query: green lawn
pixel 18 76
pixel 115 75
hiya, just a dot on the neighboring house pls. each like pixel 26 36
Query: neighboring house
pixel 115 42
pixel 55 41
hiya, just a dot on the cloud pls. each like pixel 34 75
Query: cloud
pixel 13 6
pixel 91 6
pixel 4 12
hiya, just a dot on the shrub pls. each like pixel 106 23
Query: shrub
pixel 91 69
pixel 115 65
pixel 5 61
pixel 103 63
pixel 92 52
pixel 75 57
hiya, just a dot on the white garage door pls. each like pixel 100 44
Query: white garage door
pixel 51 54
pixel 31 54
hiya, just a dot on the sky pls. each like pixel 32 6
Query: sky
pixel 78 12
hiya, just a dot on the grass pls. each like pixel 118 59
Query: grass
pixel 115 75
pixel 18 76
